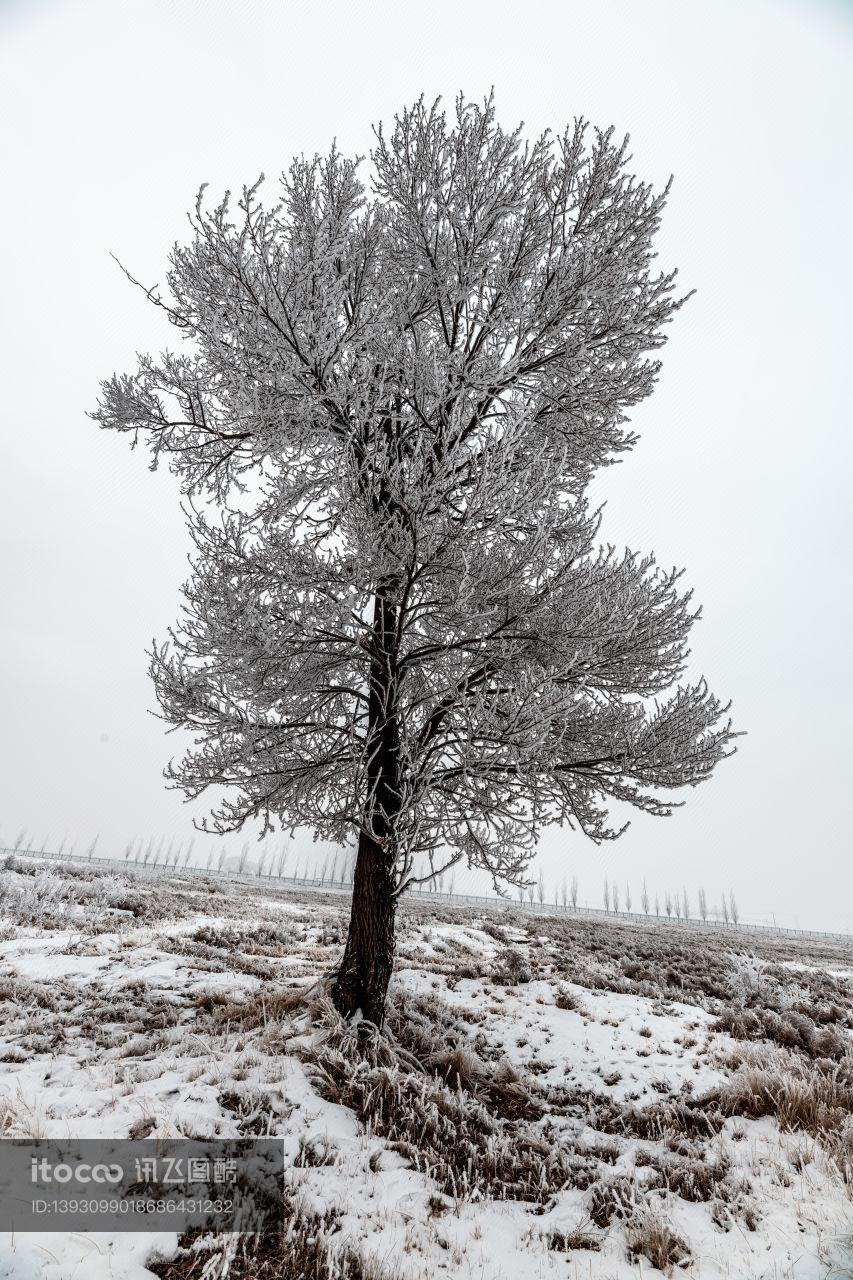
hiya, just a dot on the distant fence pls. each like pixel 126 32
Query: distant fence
pixel 512 904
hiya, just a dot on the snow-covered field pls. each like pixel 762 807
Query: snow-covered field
pixel 553 1096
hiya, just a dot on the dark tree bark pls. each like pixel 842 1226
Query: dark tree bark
pixel 365 971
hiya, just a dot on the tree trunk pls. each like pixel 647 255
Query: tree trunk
pixel 362 981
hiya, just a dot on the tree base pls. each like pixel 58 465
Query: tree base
pixel 368 960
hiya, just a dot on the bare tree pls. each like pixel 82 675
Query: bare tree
pixel 19 839
pixel 703 905
pixel 402 626
pixel 667 904
pixel 657 905
pixel 564 893
pixel 616 897
pixel 573 892
pixel 540 888
pixel 733 908
pixel 627 897
pixel 724 908
pixel 606 894
pixel 685 903
pixel 644 899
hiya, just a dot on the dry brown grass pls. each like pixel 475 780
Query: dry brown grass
pixel 455 1137
pixel 790 1028
pixel 570 1000
pixel 650 1236
pixel 440 1042
pixel 303 1246
pixel 803 1095
pixel 696 1179
pixel 269 1004
pixel 511 968
pixel 613 1198
pixel 580 1237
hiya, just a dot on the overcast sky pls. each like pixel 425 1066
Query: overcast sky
pixel 113 114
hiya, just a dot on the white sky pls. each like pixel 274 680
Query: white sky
pixel 113 114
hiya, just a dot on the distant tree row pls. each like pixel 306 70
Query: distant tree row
pixel 338 867
pixel 674 903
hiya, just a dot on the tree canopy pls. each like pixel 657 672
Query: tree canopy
pixel 389 403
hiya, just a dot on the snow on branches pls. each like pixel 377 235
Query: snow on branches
pixel 412 630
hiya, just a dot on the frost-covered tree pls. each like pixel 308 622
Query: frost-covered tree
pixel 703 905
pixel 389 406
pixel 606 894
pixel 644 898
pixel 573 892
pixel 628 898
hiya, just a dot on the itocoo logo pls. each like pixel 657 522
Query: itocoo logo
pixel 43 1171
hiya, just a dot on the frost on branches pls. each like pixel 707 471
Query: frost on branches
pixel 387 410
